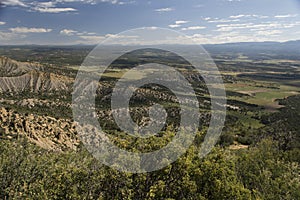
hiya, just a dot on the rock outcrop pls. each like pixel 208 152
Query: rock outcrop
pixel 45 131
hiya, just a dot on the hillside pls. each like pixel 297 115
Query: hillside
pixel 9 67
pixel 22 76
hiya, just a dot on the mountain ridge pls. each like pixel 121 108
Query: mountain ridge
pixel 24 76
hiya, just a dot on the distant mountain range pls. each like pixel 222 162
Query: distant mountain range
pixel 258 50
pixel 290 46
pixel 253 50
pixel 292 43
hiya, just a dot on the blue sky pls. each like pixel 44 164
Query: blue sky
pixel 68 22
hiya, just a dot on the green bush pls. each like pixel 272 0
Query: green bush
pixel 29 172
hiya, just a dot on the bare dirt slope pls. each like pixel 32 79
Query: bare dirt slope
pixel 20 76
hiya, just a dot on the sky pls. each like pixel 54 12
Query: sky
pixel 69 22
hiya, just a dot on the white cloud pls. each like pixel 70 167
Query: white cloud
pixel 13 3
pixel 71 32
pixel 193 28
pixel 2 23
pixel 238 26
pixel 126 2
pixel 181 22
pixel 54 10
pixel 178 24
pixel 106 1
pixel 228 37
pixel 239 16
pixel 29 30
pixel 93 2
pixel 200 39
pixel 164 9
pixel 85 33
pixel 223 20
pixel 120 36
pixel 52 6
pixel 235 18
pixel 85 37
pixel 174 25
pixel 248 16
pixel 207 18
pixel 68 32
pixel 256 27
pixel 150 28
pixel 260 16
pixel 269 32
pixel 72 1
pixel 92 38
pixel 10 36
pixel 117 39
pixel 286 16
pixel 49 7
pixel 117 2
pixel 44 4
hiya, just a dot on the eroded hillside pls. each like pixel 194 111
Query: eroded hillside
pixel 19 77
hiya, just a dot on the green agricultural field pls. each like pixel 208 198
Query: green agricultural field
pixel 262 93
